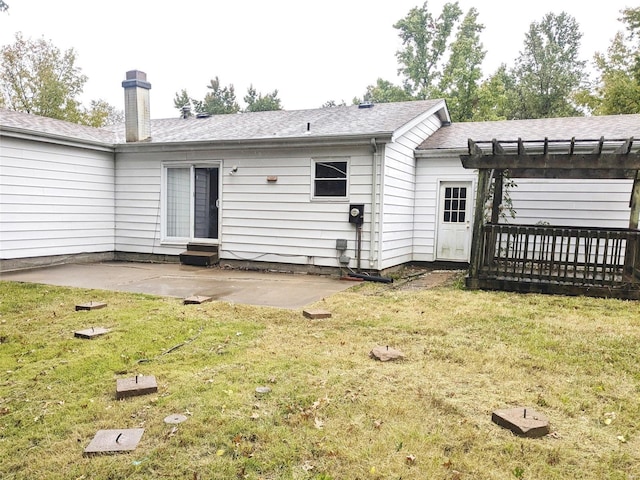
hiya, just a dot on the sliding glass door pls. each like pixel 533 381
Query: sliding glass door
pixel 192 201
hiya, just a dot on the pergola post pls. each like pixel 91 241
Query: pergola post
pixel 634 203
pixel 631 253
pixel 484 185
pixel 540 260
pixel 497 195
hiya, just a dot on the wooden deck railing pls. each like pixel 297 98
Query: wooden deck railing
pixel 582 257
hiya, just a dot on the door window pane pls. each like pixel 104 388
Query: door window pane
pixel 455 204
pixel 205 204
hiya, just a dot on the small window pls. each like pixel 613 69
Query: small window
pixel 455 204
pixel 330 178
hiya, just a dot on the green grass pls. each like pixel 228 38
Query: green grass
pixel 333 412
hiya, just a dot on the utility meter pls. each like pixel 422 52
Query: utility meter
pixel 356 213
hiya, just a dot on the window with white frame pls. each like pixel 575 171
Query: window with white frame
pixel 330 178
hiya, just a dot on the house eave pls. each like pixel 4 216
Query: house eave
pixel 25 134
pixel 440 110
pixel 441 153
pixel 358 140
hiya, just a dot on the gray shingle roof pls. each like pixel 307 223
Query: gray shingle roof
pixel 384 118
pixel 10 119
pixel 456 135
pixel 323 122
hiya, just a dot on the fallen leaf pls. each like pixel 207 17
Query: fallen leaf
pixel 307 467
pixel 411 459
pixel 255 416
pixel 318 423
pixel 622 438
pixel 377 424
pixel 220 452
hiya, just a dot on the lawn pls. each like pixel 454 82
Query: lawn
pixel 332 411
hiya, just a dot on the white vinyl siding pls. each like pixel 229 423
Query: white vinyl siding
pixel 596 203
pixel 579 203
pixel 55 199
pixel 138 204
pixel 399 194
pixel 281 221
pixel 260 220
pixel 429 173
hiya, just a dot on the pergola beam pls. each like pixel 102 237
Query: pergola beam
pixel 559 161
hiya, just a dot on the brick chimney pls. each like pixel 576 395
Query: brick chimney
pixel 136 106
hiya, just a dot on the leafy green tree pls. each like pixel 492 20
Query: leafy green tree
pixel 220 100
pixel 256 102
pixel 333 103
pixel 548 72
pixel 384 92
pixel 494 96
pixel 617 90
pixel 462 74
pixel 182 100
pixel 37 77
pixel 424 39
pixel 101 113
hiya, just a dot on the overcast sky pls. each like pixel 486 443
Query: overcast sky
pixel 311 51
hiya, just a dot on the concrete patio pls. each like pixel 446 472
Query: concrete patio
pixel 246 287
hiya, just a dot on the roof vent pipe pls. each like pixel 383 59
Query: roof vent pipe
pixel 186 111
pixel 308 126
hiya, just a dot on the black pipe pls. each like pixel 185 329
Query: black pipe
pixel 371 278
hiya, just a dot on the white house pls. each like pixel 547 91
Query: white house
pixel 270 187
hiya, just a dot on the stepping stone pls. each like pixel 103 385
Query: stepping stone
pixel 138 385
pixel 385 354
pixel 262 390
pixel 91 332
pixel 175 418
pixel 316 314
pixel 196 300
pixel 113 441
pixel 522 421
pixel 90 306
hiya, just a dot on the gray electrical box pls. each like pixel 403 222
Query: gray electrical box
pixel 341 244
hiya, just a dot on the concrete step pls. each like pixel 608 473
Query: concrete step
pixel 199 258
pixel 202 247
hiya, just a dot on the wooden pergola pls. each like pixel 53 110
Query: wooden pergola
pixel 592 261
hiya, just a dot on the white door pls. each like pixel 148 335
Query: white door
pixel 454 221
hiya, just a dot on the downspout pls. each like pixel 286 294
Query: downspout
pixel 374 193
